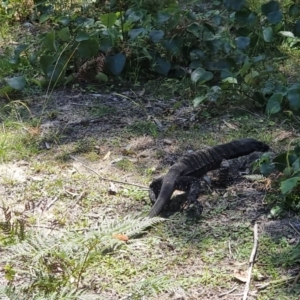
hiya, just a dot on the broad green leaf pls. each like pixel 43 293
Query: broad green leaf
pixel 134 15
pixel 249 78
pixel 173 45
pixel 50 42
pixel 44 18
pixel 133 33
pixel 101 77
pixel 274 17
pixel 56 73
pixel 268 34
pixel 88 48
pixel 286 33
pixel 14 60
pixel 259 58
pixel 79 20
pixel 197 63
pixel 214 45
pixel 297 28
pixel 82 36
pixel 266 168
pixel 252 19
pixel 227 74
pixel 196 54
pixel 108 20
pixel 242 16
pixel 294 10
pixel 201 75
pixel 115 63
pixel 64 34
pixel 274 104
pixel 20 49
pixel 242 42
pixel 18 83
pixel 46 61
pixel 245 68
pixel 163 16
pixel 234 5
pixel 283 160
pixel 194 28
pixel 64 20
pixel 70 78
pixel 269 7
pixel 209 27
pixel 6 90
pixel 297 151
pixel 173 22
pixel 275 211
pixel 162 66
pixel 217 19
pixel 156 36
pixel 296 164
pixel 230 80
pixel 106 44
pixel 227 47
pixel 33 58
pixel 89 22
pixel 287 185
pixel 190 15
pixel 198 100
pixel 294 98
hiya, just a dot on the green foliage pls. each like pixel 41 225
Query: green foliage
pixel 163 38
pixel 288 164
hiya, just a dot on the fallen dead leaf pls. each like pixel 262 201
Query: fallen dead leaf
pixel 240 275
pixel 112 190
pixel 230 125
pixel 282 135
pixel 121 237
pixel 107 155
pixel 168 142
pixel 142 92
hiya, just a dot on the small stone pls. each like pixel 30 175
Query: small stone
pixel 168 142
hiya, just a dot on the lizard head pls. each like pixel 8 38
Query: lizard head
pixel 254 144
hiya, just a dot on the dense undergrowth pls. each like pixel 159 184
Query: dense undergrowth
pixel 235 49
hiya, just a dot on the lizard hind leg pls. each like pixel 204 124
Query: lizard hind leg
pixel 192 186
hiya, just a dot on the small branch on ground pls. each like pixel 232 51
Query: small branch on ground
pixel 228 292
pixel 107 179
pixel 295 281
pixel 291 225
pixel 251 261
pixel 275 282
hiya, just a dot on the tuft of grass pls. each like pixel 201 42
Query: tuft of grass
pixel 102 110
pixel 143 128
pixel 125 164
pixel 17 145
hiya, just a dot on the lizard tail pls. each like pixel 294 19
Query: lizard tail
pixel 166 191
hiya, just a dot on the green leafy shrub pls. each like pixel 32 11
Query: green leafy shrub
pixel 288 164
pixel 227 54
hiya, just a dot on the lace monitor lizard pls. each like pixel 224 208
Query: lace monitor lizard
pixel 184 175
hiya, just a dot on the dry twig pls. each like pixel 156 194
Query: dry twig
pixel 251 261
pixel 106 179
pixel 228 292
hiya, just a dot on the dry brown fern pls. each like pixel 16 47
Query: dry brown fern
pixel 91 68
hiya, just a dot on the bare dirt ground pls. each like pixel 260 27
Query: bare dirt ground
pixel 132 138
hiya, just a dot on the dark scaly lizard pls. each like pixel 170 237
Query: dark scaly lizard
pixel 184 175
